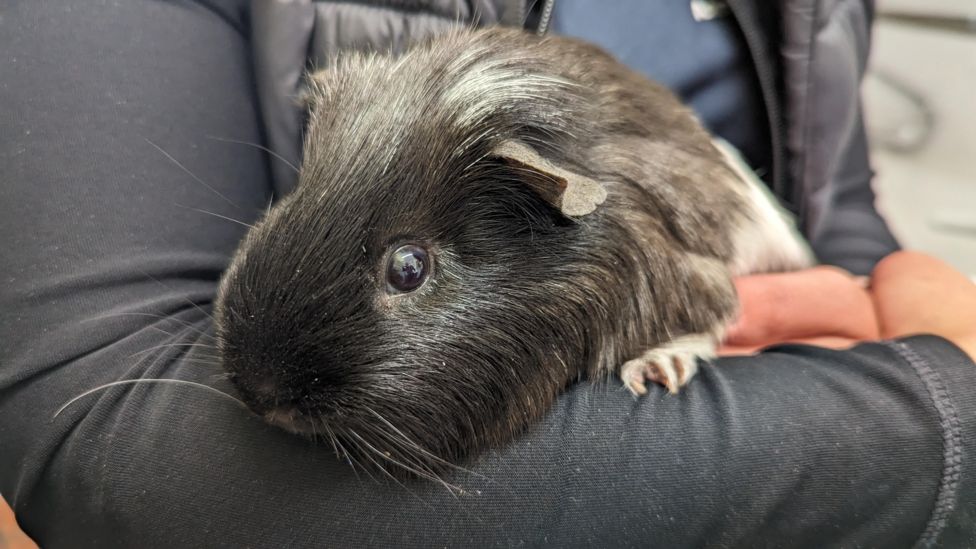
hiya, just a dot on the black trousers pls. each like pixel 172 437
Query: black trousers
pixel 121 202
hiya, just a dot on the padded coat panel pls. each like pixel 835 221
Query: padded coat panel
pixel 824 52
pixel 290 37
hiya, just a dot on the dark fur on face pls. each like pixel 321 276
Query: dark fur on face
pixel 523 298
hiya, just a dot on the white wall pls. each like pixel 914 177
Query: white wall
pixel 928 196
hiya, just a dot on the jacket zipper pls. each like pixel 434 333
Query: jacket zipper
pixel 519 13
pixel 746 17
pixel 545 17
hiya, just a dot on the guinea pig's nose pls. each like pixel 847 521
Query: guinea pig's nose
pixel 259 391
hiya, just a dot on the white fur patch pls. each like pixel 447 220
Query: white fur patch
pixel 488 87
pixel 767 240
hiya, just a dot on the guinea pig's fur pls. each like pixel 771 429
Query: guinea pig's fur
pixel 581 221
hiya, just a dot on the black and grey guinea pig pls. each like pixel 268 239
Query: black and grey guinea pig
pixel 479 223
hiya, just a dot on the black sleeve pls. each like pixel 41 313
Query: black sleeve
pixel 108 270
pixel 852 234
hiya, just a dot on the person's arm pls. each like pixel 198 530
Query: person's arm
pixel 823 306
pixel 852 234
pixel 108 271
pixel 908 294
pixel 916 294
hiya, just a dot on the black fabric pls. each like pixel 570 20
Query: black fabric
pixel 823 52
pixel 851 233
pixel 109 266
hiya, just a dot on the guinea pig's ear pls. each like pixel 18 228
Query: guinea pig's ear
pixel 573 194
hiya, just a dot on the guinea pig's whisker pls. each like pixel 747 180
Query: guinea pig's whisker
pixel 196 330
pixel 151 315
pixel 406 443
pixel 332 439
pixel 412 455
pixel 203 358
pixel 231 219
pixel 383 455
pixel 455 491
pixel 191 174
pixel 168 345
pixel 411 460
pixel 215 363
pixel 351 456
pixel 344 454
pixel 256 146
pixel 160 330
pixel 315 432
pixel 419 454
pixel 137 381
pixel 382 469
pixel 157 281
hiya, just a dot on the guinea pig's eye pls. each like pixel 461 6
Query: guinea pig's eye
pixel 407 268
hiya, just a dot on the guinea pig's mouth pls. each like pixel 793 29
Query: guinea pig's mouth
pixel 261 401
pixel 261 394
pixel 291 419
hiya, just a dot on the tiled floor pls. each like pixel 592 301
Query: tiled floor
pixel 929 195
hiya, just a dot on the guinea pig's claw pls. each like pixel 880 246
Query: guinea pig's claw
pixel 636 385
pixel 664 369
pixel 671 365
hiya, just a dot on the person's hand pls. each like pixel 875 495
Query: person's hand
pixel 11 537
pixel 823 306
pixel 918 294
pixel 910 293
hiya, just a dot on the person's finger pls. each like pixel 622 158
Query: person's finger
pixel 823 301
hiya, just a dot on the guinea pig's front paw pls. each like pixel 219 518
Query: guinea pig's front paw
pixel 671 365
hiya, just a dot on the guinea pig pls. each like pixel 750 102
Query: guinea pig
pixel 480 222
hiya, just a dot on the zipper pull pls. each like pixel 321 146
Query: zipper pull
pixel 706 10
